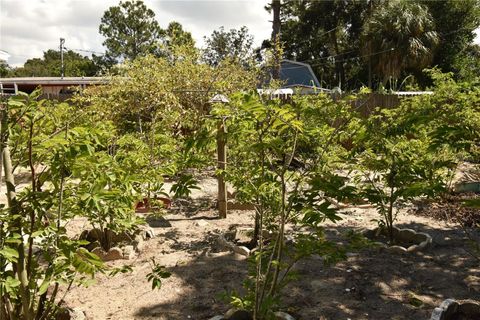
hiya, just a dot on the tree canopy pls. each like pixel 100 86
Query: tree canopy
pixel 130 30
pixel 49 65
pixel 340 39
pixel 399 36
pixel 236 44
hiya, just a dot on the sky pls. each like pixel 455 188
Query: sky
pixel 30 27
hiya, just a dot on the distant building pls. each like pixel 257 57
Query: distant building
pixel 297 77
pixel 52 87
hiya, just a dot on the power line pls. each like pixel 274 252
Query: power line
pixel 343 60
pixel 89 51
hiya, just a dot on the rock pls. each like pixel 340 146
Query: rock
pixel 420 239
pixel 217 318
pixel 128 252
pixel 138 243
pixel 114 253
pixel 201 223
pixel 244 251
pixel 223 244
pixel 234 314
pixel 283 316
pixel 78 314
pixel 70 314
pixel 147 232
pixel 99 252
pixel 469 308
pixel 447 309
pixel 397 249
pixel 472 282
pixel 166 202
pixel 158 222
pixel 244 235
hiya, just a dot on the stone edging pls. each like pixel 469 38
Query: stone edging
pixel 421 239
pixel 451 307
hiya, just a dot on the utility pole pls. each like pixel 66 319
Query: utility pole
pixel 62 46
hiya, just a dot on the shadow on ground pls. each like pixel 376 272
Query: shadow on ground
pixel 370 284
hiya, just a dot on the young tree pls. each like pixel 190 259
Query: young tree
pixel 412 150
pixel 130 30
pixel 36 256
pixel 234 44
pixel 283 156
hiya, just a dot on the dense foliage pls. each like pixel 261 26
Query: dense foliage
pixel 75 65
pixel 326 34
pixel 233 44
pixel 130 30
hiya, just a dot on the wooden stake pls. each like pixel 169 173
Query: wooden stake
pixel 221 165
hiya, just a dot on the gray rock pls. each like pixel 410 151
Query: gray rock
pixel 128 252
pixel 138 243
pixel 244 235
pixel 283 316
pixel 234 314
pixel 445 311
pixel 397 249
pixel 244 251
pixel 223 244
pixel 201 223
pixel 217 318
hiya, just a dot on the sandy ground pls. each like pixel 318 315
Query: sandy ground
pixel 370 284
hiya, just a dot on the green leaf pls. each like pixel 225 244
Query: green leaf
pixel 9 253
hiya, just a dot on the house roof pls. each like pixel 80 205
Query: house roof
pixel 296 73
pixel 53 81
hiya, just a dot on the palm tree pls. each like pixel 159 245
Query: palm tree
pixel 399 35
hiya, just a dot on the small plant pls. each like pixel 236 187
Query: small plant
pixel 158 273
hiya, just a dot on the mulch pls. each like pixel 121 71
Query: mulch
pixel 450 208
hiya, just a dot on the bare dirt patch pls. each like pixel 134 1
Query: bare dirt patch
pixel 370 284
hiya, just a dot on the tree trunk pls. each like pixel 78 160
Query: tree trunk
pixel 338 63
pixel 276 5
pixel 19 267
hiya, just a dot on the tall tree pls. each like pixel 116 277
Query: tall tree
pixel 326 35
pixel 4 68
pixel 235 44
pixel 399 36
pixel 130 30
pixel 49 65
pixel 175 36
pixel 456 22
